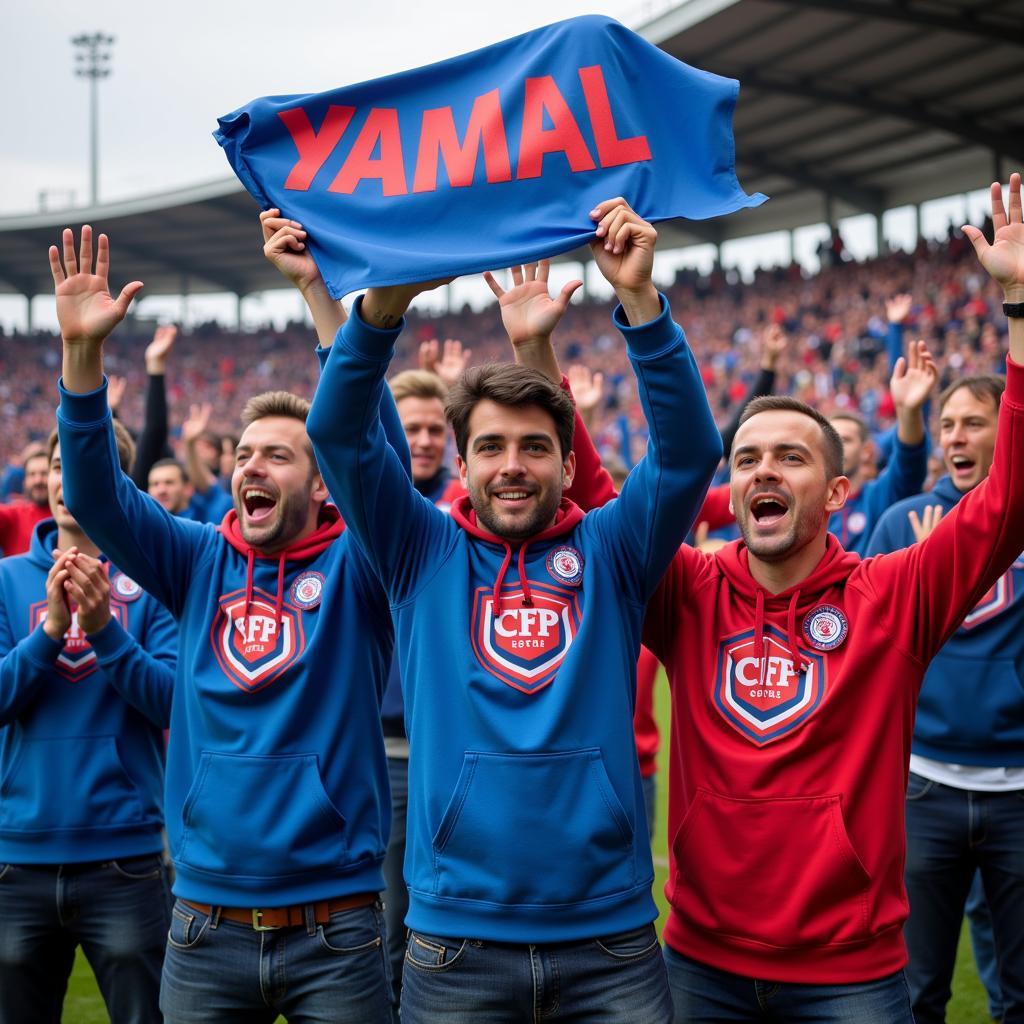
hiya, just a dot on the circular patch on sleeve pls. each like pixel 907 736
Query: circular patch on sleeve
pixel 826 627
pixel 565 565
pixel 307 590
pixel 856 523
pixel 125 589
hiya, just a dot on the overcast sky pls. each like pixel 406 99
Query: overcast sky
pixel 177 66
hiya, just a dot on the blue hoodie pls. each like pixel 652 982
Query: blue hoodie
pixel 277 788
pixel 81 741
pixel 526 818
pixel 971 707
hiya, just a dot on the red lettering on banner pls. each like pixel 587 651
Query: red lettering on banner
pixel 381 127
pixel 611 150
pixel 536 141
pixel 314 147
pixel 486 125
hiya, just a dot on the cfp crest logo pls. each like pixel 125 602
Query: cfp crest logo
pixel 766 700
pixel 77 659
pixel 524 646
pixel 255 649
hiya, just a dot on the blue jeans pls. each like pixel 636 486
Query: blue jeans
pixel 615 980
pixel 706 995
pixel 221 971
pixel 984 945
pixel 951 835
pixel 396 895
pixel 116 910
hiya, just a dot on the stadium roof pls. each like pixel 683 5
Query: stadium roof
pixel 846 106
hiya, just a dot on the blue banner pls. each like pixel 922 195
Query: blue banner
pixel 492 158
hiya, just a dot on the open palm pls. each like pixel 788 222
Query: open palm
pixel 86 311
pixel 1004 258
pixel 527 310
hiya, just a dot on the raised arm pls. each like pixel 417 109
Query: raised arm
pixel 151 445
pixel 644 528
pixel 155 548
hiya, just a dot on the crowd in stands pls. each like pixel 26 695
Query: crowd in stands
pixel 835 321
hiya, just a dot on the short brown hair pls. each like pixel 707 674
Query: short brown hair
pixel 853 417
pixel 832 442
pixel 34 451
pixel 512 385
pixel 279 403
pixel 122 438
pixel 418 384
pixel 985 387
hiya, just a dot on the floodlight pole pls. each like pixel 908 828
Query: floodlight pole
pixel 93 62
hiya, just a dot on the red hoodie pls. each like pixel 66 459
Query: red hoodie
pixel 786 788
pixel 17 521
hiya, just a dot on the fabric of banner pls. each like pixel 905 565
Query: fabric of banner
pixel 492 158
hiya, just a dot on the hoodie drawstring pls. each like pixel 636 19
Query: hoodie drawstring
pixel 795 657
pixel 759 628
pixel 279 602
pixel 500 579
pixel 250 562
pixel 527 596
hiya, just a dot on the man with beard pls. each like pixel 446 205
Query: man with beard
pixel 277 798
pixel 518 622
pixel 86 673
pixel 965 799
pixel 19 518
pixel 795 668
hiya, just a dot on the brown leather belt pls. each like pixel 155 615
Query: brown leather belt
pixel 271 918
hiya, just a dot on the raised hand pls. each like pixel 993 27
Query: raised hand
pixel 116 387
pixel 923 526
pixel 88 587
pixel 58 613
pixel 284 245
pixel 773 347
pixel 1004 258
pixel 196 423
pixel 159 349
pixel 86 311
pixel 913 377
pixel 897 309
pixel 528 311
pixel 452 363
pixel 429 355
pixel 587 390
pixel 623 250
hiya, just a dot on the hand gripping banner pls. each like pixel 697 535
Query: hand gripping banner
pixel 492 158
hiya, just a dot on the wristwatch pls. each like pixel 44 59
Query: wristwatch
pixel 1014 309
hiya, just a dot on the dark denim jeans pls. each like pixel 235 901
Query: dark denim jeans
pixel 218 971
pixel 396 895
pixel 117 911
pixel 705 995
pixel 984 945
pixel 619 979
pixel 951 835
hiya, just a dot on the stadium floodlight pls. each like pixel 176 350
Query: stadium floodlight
pixel 92 61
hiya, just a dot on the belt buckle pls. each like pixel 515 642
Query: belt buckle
pixel 258 926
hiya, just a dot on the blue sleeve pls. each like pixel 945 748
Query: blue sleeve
pixel 158 550
pixel 622 422
pixel 398 529
pixel 902 478
pixel 642 530
pixel 394 432
pixel 141 670
pixel 23 667
pixel 894 344
pixel 212 504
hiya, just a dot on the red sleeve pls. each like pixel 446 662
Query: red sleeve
pixel 687 570
pixel 715 510
pixel 592 485
pixel 645 727
pixel 945 575
pixel 8 528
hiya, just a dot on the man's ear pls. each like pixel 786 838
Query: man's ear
pixel 836 494
pixel 320 492
pixel 568 470
pixel 460 465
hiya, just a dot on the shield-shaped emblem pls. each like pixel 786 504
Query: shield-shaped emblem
pixel 77 659
pixel 766 699
pixel 996 599
pixel 254 649
pixel 524 645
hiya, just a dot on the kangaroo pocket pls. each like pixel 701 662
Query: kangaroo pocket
pixel 74 782
pixel 262 817
pixel 533 829
pixel 779 872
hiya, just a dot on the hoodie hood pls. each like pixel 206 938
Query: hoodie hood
pixel 947 491
pixel 835 566
pixel 330 529
pixel 567 518
pixel 44 540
